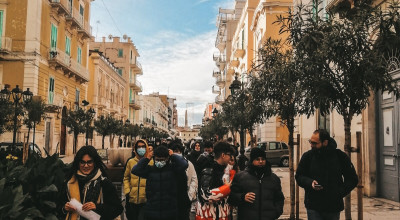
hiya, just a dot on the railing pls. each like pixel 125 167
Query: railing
pixel 136 83
pixel 63 3
pixel 77 17
pixel 220 79
pixel 86 27
pixel 6 44
pixel 216 91
pixel 216 73
pixel 65 60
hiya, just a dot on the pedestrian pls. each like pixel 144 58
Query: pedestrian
pixel 327 175
pixel 187 185
pixel 134 186
pixel 194 153
pixel 212 196
pixel 161 184
pixel 206 159
pixel 87 183
pixel 256 191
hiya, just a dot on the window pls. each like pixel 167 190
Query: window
pixel 273 146
pixel 51 91
pixel 120 52
pixel 242 39
pixel 79 55
pixel 53 38
pixel 77 94
pixel 1 26
pixel 68 46
pixel 324 122
pixel 81 13
pixel 70 5
pixel 120 70
pixel 315 9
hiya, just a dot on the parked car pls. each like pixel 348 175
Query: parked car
pixel 19 147
pixel 277 152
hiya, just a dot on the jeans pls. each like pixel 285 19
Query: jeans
pixel 316 215
pixel 134 211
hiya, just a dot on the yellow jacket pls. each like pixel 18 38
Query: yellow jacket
pixel 134 185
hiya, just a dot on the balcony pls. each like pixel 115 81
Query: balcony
pixel 220 42
pixel 60 60
pixel 216 73
pixel 76 20
pixel 101 102
pixel 61 7
pixel 220 60
pixel 136 85
pixel 239 53
pixel 216 90
pixel 136 67
pixel 6 45
pixel 54 103
pixel 234 63
pixel 219 99
pixel 134 105
pixel 220 80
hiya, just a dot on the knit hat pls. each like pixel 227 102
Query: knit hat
pixel 256 153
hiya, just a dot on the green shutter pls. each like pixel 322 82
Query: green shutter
pixel 77 93
pixel 51 90
pixel 68 46
pixel 53 42
pixel 79 55
pixel 1 28
pixel 120 53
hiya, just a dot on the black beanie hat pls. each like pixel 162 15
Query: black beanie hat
pixel 256 153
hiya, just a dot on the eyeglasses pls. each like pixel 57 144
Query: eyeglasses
pixel 313 143
pixel 89 162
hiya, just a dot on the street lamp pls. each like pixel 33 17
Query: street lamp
pixel 90 114
pixel 234 87
pixel 17 95
pixel 215 112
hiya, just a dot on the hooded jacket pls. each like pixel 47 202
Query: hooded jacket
pixel 133 185
pixel 333 170
pixel 269 199
pixel 161 186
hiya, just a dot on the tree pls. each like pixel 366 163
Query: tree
pixel 216 126
pixel 5 115
pixel 104 126
pixel 35 113
pixel 76 121
pixel 277 87
pixel 340 65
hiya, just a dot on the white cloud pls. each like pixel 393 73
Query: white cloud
pixel 180 67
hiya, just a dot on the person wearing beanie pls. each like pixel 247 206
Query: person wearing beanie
pixel 134 186
pixel 256 191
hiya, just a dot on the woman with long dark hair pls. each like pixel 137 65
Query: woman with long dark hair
pixel 87 183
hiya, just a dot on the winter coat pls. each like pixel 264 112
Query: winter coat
pixel 192 181
pixel 211 187
pixel 108 204
pixel 133 185
pixel 161 186
pixel 333 170
pixel 269 199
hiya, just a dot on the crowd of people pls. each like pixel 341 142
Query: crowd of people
pixel 168 181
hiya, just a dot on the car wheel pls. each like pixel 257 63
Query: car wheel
pixel 285 162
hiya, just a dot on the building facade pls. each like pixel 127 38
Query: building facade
pixel 154 112
pixel 124 56
pixel 44 47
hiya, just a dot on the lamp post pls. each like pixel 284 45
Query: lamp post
pixel 234 87
pixel 90 115
pixel 127 122
pixel 17 95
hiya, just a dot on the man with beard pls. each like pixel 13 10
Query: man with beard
pixel 256 191
pixel 327 175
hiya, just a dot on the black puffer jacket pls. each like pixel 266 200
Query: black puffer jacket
pixel 332 169
pixel 161 186
pixel 269 199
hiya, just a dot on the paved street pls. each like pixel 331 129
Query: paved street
pixel 374 208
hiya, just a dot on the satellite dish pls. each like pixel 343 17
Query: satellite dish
pixel 110 36
pixel 125 37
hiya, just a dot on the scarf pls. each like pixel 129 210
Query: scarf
pixel 89 185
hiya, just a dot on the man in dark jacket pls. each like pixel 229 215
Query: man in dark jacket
pixel 327 175
pixel 256 191
pixel 161 184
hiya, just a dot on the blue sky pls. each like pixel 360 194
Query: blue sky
pixel 175 39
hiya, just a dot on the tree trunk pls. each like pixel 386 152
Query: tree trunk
pixel 75 143
pixel 102 141
pixel 347 149
pixel 242 158
pixel 290 126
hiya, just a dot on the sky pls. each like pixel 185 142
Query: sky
pixel 175 40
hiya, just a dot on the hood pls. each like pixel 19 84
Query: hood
pixel 147 148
